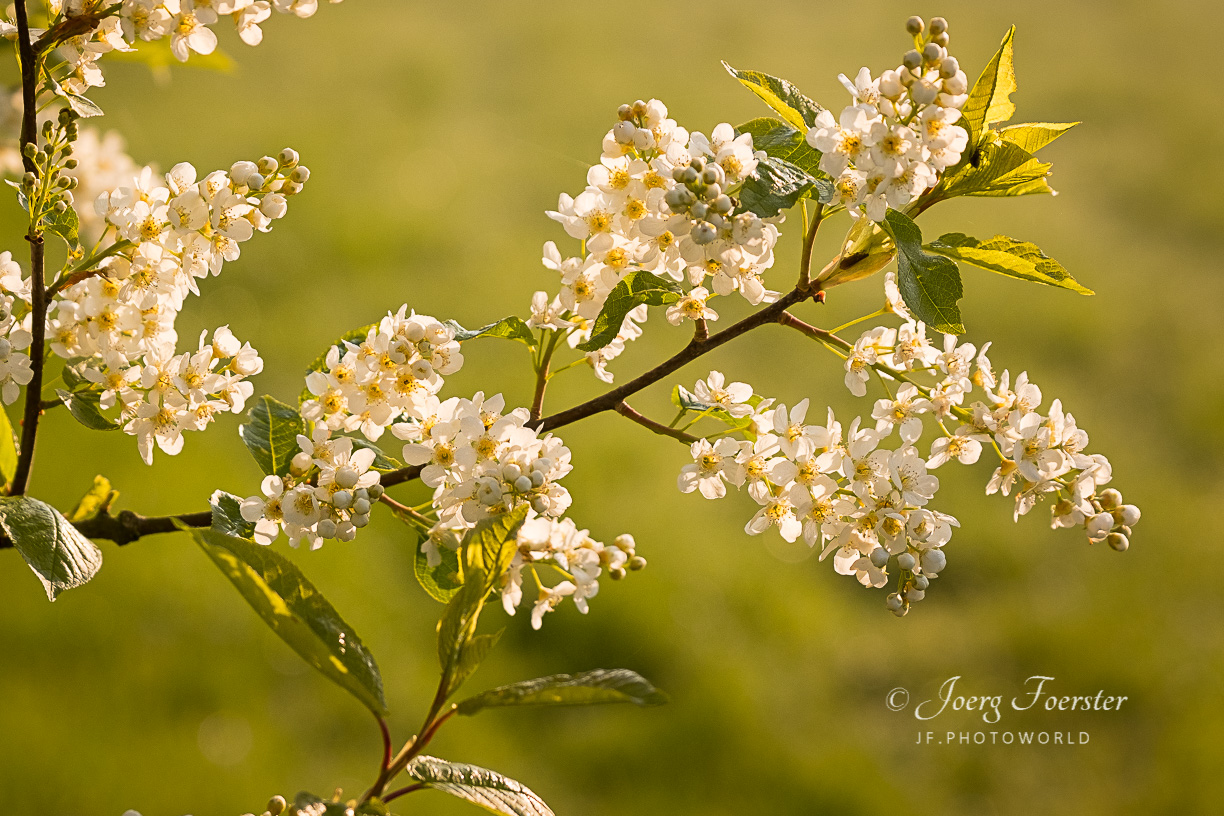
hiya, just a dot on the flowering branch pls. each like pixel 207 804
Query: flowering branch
pixel 38 290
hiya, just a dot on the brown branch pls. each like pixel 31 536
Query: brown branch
pixel 696 348
pixel 790 321
pixel 675 433
pixel 38 286
pixel 127 526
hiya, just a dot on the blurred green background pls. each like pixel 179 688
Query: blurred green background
pixel 437 135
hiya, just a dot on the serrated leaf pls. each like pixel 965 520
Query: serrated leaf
pixel 996 168
pixel 271 435
pixel 8 448
pixel 790 103
pixel 1007 256
pixel 638 287
pixel 589 688
pixel 276 589
pixel 86 409
pixel 782 141
pixel 480 786
pixel 471 655
pixel 100 495
pixel 227 516
pixel 778 185
pixel 442 581
pixel 990 98
pixel 58 554
pixel 511 328
pixel 1032 136
pixel 65 225
pixel 930 284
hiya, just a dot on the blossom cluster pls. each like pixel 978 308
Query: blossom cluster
pixel 391 374
pixel 171 231
pixel 328 493
pixel 898 136
pixel 186 23
pixel 569 552
pixel 15 336
pixel 659 201
pixel 835 487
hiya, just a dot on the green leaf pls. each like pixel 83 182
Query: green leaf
pixel 8 448
pixel 60 556
pixel 782 141
pixel 490 545
pixel 996 168
pixel 589 688
pixel 681 397
pixel 796 109
pixel 85 409
pixel 990 98
pixel 65 225
pixel 83 107
pixel 480 786
pixel 271 435
pixel 441 581
pixel 355 336
pixel 298 613
pixel 99 497
pixel 1033 136
pixel 227 516
pixel 930 284
pixel 778 185
pixel 511 328
pixel 638 287
pixel 1007 256
pixel 382 462
pixel 487 550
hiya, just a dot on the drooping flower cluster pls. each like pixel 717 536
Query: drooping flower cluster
pixel 392 375
pixel 560 547
pixel 659 201
pixel 120 314
pixel 900 133
pixel 328 493
pixel 836 488
pixel 186 23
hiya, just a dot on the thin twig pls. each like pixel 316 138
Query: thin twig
pixel 805 259
pixel 395 794
pixel 675 433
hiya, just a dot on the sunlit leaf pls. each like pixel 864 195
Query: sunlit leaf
pixel 1007 256
pixel 271 435
pixel 930 284
pixel 480 786
pixel 589 688
pixel 58 554
pixel 636 288
pixel 795 109
pixel 276 589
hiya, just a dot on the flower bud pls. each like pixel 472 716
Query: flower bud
pixel 342 499
pixel 941 40
pixel 375 492
pixel 932 52
pixel 267 165
pixel 948 67
pixel 623 132
pixel 703 232
pixel 326 528
pixel 300 174
pixel 276 805
pixel 637 563
pixel 540 505
pixel 359 520
pixel 912 60
pixel 699 211
pixel 241 171
pixel 61 207
pixel 907 561
pixel 1110 499
pixel 255 181
pixel 879 557
pixel 933 561
pixel 625 543
pixel 1128 514
pixel 1117 542
pixel 914 594
pixel 914 25
pixel 346 477
pixel 523 484
pixel 300 464
pixel 274 206
pixel 288 157
pixel 938 26
pixel 624 112
pixel 361 507
pixel 511 471
pixel 537 478
pixel 616 573
pixel 921 581
pixel 893 602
